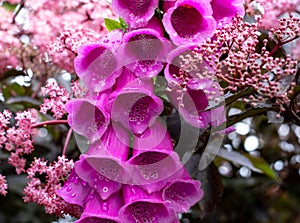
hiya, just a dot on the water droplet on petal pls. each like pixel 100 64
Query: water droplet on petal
pixel 76 180
pixel 73 195
pixel 69 188
pixel 84 183
pixel 105 189
pixel 105 207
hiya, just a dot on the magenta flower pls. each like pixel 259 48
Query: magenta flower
pixel 150 169
pixel 97 210
pixel 102 173
pixel 75 190
pixel 143 207
pixel 114 142
pixel 136 13
pixel 155 138
pixel 97 66
pixel 191 104
pixel 191 88
pixel 136 106
pixel 225 10
pixel 88 117
pixel 189 21
pixel 181 194
pixel 145 49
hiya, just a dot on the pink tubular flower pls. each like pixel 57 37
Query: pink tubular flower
pixel 136 106
pixel 102 173
pixel 136 13
pixel 192 88
pixel 97 210
pixel 145 49
pixel 88 117
pixel 182 192
pixel 97 66
pixel 189 21
pixel 225 10
pixel 150 169
pixel 143 207
pixel 75 190
pixel 114 142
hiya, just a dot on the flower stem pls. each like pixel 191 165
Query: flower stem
pixel 68 137
pixel 51 122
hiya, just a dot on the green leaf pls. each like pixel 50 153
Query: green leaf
pixel 256 164
pixel 123 23
pixel 13 88
pixel 9 7
pixel 111 24
pixel 262 165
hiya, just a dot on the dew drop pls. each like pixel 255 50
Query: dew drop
pixel 73 195
pixel 76 180
pixel 69 188
pixel 105 189
pixel 105 207
pixel 84 183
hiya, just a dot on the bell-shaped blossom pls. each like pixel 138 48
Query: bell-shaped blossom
pixel 136 13
pixel 189 21
pixel 97 210
pixel 150 169
pixel 182 68
pixel 88 117
pixel 155 138
pixel 143 207
pixel 75 190
pixel 114 142
pixel 225 10
pixel 182 193
pixel 103 173
pixel 145 50
pixel 136 105
pixel 97 66
pixel 192 89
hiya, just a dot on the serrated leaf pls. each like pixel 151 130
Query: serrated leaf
pixel 212 185
pixel 111 24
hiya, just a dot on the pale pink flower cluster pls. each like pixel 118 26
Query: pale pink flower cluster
pixel 3 185
pixel 239 64
pixel 43 192
pixel 44 22
pixel 64 49
pixel 58 97
pixel 273 9
pixel 8 41
pixel 17 139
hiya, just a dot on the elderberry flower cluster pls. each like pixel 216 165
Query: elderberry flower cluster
pixel 43 191
pixel 232 56
pixel 130 172
pixel 17 139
